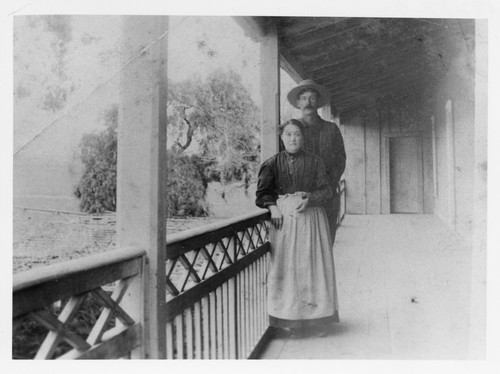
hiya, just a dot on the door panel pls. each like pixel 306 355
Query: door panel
pixel 405 159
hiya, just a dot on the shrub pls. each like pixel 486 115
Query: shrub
pixel 186 185
pixel 98 152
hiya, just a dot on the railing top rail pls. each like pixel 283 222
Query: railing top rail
pixel 60 270
pixel 191 233
pixel 341 185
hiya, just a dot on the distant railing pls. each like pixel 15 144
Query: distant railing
pixel 72 310
pixel 342 195
pixel 216 282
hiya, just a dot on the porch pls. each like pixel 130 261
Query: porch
pixel 407 283
pixel 404 293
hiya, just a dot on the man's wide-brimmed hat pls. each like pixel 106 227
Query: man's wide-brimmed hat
pixel 293 95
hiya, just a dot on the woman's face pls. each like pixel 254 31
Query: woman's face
pixel 292 138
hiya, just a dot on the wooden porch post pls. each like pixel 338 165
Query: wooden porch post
pixel 141 173
pixel 270 91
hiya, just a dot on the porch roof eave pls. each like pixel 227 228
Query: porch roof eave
pixel 256 29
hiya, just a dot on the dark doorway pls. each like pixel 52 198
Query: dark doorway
pixel 405 158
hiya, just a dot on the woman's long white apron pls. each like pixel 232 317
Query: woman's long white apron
pixel 301 278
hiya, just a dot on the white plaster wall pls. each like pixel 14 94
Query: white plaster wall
pixel 455 144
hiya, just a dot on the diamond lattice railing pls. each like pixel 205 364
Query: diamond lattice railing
pixel 80 323
pixel 216 289
pixel 194 266
pixel 77 309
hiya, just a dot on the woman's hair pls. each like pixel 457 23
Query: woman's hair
pixel 291 122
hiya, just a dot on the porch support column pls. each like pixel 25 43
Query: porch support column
pixel 270 91
pixel 141 173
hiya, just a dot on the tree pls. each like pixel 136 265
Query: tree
pixel 217 118
pixel 98 152
pixel 96 190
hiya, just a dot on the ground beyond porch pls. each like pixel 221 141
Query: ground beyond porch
pixel 404 284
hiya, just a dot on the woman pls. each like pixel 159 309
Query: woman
pixel 292 184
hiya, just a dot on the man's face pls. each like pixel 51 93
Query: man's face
pixel 307 101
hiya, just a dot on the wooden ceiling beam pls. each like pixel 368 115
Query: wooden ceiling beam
pixel 354 55
pixel 366 71
pixel 377 90
pixel 364 48
pixel 370 95
pixel 306 25
pixel 360 61
pixel 349 104
pixel 388 28
pixel 372 71
pixel 328 57
pixel 407 59
pixel 320 43
pixel 292 66
pixel 355 63
pixel 375 81
pixel 346 103
pixel 364 33
pixel 301 39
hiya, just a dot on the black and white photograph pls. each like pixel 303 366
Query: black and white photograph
pixel 290 182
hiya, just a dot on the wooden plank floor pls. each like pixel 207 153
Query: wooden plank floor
pixel 403 283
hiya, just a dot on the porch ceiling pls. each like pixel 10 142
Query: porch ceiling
pixel 363 59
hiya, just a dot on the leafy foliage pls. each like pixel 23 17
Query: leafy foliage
pixel 98 152
pixel 216 119
pixel 186 185
pixel 219 117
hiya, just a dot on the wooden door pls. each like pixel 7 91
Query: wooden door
pixel 406 188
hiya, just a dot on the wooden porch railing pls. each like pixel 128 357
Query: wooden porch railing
pixel 59 296
pixel 216 302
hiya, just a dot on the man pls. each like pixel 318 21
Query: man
pixel 321 138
